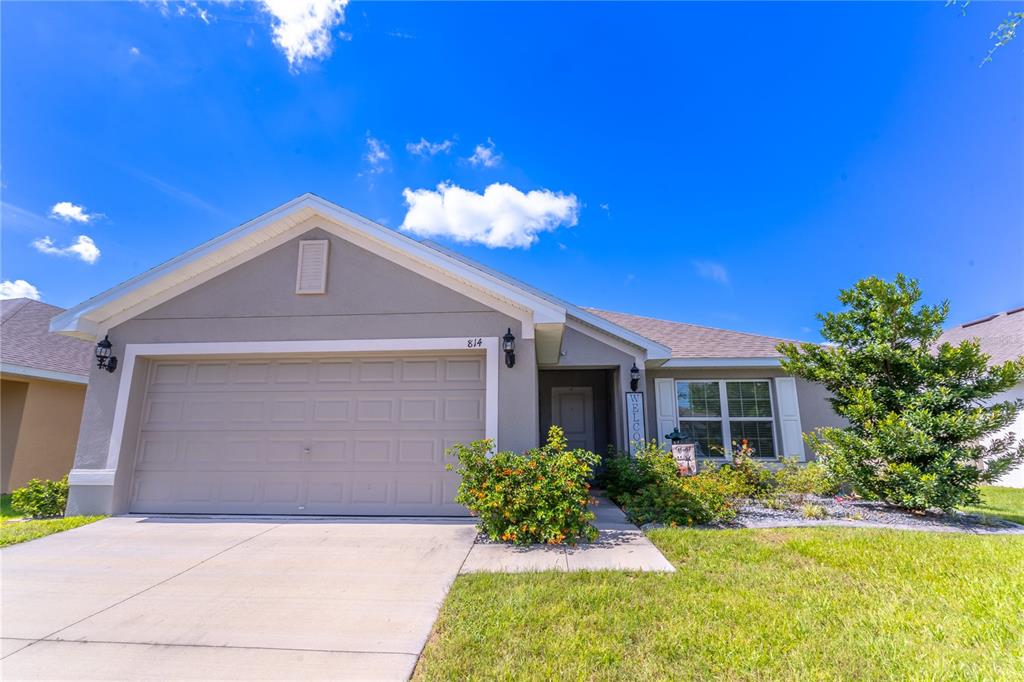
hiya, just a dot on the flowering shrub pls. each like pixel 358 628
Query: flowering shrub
pixel 41 498
pixel 538 496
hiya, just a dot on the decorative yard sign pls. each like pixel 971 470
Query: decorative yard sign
pixel 685 455
pixel 636 428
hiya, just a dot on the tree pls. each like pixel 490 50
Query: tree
pixel 1004 33
pixel 918 411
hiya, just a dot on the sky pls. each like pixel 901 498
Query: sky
pixel 732 165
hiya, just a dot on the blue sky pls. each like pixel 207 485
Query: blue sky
pixel 732 165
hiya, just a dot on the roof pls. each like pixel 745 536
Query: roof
pixel 695 341
pixel 27 343
pixel 90 319
pixel 1001 335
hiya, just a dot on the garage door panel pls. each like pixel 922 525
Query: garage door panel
pixel 347 409
pixel 175 376
pixel 348 435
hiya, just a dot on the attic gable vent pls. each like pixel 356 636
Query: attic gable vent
pixel 311 277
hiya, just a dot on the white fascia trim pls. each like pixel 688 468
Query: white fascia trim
pixel 132 351
pixel 721 362
pixel 48 374
pixel 91 477
pixel 81 320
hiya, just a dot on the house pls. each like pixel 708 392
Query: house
pixel 1002 338
pixel 42 390
pixel 311 361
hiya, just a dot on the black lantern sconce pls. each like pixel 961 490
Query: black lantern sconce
pixel 104 358
pixel 634 377
pixel 508 344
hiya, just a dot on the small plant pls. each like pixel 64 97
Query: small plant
pixel 538 496
pixel 813 511
pixel 41 498
pixel 628 475
pixel 796 481
pixel 756 480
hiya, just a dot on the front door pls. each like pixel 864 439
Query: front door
pixel 572 408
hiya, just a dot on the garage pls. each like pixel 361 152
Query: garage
pixel 318 435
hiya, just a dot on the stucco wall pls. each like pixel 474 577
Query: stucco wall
pixel 1015 477
pixel 40 443
pixel 583 348
pixel 368 297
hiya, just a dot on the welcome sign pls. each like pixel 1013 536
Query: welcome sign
pixel 636 427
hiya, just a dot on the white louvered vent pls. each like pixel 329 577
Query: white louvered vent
pixel 311 277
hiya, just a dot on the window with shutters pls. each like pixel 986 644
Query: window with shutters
pixel 715 414
pixel 311 277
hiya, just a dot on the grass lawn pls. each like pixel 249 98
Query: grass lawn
pixel 13 532
pixel 1006 503
pixel 812 603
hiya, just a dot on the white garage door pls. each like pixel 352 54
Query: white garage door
pixel 341 435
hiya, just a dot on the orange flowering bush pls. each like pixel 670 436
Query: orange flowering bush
pixel 537 496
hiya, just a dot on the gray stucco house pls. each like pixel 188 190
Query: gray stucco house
pixel 313 362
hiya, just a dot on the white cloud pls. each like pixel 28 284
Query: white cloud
pixel 427 148
pixel 84 248
pixel 716 272
pixel 302 28
pixel 68 212
pixel 19 288
pixel 134 51
pixel 485 155
pixel 376 154
pixel 502 216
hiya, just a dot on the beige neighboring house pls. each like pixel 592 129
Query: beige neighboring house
pixel 42 389
pixel 1002 337
pixel 311 361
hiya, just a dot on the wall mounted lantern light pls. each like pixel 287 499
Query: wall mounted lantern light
pixel 104 358
pixel 634 377
pixel 508 344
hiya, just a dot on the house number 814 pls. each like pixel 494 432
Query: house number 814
pixel 474 343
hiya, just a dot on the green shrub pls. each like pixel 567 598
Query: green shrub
pixel 813 511
pixel 40 498
pixel 628 475
pixel 796 481
pixel 538 496
pixel 754 480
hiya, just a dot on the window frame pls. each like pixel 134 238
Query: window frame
pixel 725 417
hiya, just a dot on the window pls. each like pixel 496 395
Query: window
pixel 713 414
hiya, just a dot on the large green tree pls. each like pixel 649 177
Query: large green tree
pixel 920 414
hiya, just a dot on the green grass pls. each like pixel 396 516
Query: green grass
pixel 1005 503
pixel 13 532
pixel 780 604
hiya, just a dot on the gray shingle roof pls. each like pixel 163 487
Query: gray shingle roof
pixel 1001 335
pixel 25 339
pixel 695 341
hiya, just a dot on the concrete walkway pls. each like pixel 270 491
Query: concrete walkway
pixel 174 598
pixel 619 546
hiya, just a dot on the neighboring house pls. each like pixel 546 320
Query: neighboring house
pixel 313 362
pixel 1002 338
pixel 42 389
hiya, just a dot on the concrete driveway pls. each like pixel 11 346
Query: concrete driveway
pixel 172 598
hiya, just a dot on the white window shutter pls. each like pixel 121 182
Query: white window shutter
pixel 665 408
pixel 311 277
pixel 789 418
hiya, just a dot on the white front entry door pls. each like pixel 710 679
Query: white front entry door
pixel 572 408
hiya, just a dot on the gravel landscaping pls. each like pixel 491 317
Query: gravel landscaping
pixel 850 512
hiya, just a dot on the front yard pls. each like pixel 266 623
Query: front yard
pixel 821 603
pixel 13 530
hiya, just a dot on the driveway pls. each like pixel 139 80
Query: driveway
pixel 173 598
